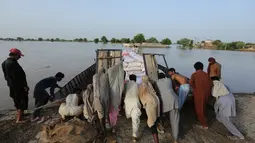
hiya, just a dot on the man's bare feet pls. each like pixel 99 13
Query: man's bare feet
pixel 20 121
pixel 202 127
pixel 135 140
pixel 35 119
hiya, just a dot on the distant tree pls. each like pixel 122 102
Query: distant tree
pixel 152 40
pixel 118 41
pixel 240 45
pixel 191 43
pixel 217 43
pixel 40 39
pixel 47 39
pixel 132 41
pixel 125 40
pixel 185 42
pixel 20 39
pixel 250 44
pixel 113 40
pixel 57 39
pixel 166 41
pixel 96 40
pixel 104 39
pixel 139 38
pixel 1 38
pixel 85 40
pixel 52 40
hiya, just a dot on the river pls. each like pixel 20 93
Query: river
pixel 43 59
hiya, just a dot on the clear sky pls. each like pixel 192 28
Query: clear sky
pixel 228 20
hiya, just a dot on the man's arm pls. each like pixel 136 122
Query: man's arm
pixel 219 70
pixel 4 71
pixel 57 86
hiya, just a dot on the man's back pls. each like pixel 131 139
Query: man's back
pixel 46 83
pixel 169 97
pixel 180 79
pixel 13 73
pixel 131 92
pixel 215 70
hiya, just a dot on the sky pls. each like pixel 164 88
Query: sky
pixel 228 20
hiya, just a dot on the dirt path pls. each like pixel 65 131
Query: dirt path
pixel 13 133
pixel 190 134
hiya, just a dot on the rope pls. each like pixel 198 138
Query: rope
pixel 52 104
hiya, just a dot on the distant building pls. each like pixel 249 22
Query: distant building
pixel 207 44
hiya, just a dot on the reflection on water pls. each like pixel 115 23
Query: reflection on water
pixel 43 59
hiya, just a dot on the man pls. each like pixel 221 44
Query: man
pixel 214 69
pixel 150 102
pixel 184 88
pixel 16 80
pixel 72 105
pixel 170 103
pixel 225 107
pixel 202 85
pixel 41 95
pixel 132 104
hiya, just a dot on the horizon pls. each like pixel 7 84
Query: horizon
pixel 229 20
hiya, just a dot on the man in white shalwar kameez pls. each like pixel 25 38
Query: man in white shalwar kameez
pixel 132 104
pixel 225 107
pixel 170 103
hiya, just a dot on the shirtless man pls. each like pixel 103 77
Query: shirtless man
pixel 184 88
pixel 214 69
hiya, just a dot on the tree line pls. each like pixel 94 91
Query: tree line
pixel 139 38
pixel 231 45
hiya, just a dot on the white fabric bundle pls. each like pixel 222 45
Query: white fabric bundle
pixel 219 89
pixel 129 59
pixel 70 108
pixel 101 93
pixel 116 82
pixel 127 69
pixel 135 64
pixel 88 99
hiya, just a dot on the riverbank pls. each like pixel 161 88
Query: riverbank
pixel 215 49
pixel 245 103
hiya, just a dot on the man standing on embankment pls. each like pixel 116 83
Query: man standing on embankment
pixel 17 82
pixel 214 69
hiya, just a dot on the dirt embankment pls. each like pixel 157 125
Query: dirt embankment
pixel 23 133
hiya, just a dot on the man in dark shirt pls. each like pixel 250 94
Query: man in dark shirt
pixel 16 80
pixel 41 95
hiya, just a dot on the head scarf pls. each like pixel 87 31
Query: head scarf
pixel 211 60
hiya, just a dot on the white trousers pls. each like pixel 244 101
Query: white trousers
pixel 229 125
pixel 135 116
pixel 174 120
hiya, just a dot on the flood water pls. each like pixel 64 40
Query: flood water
pixel 43 59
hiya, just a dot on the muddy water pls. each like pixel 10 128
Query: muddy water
pixel 43 59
